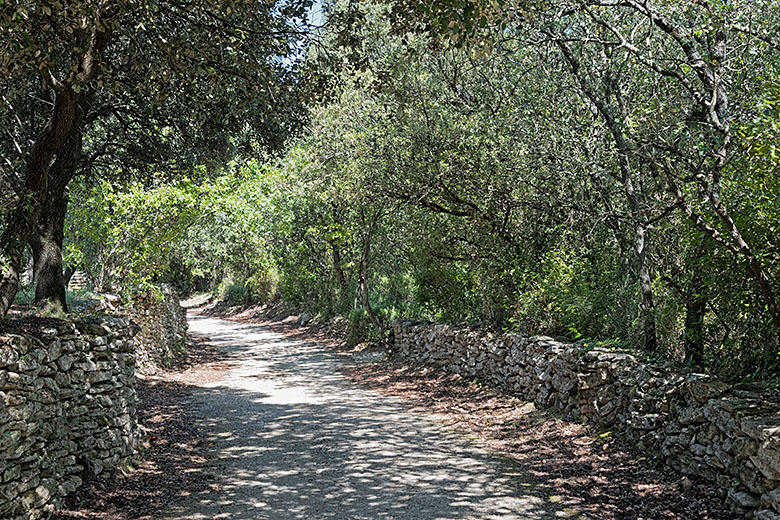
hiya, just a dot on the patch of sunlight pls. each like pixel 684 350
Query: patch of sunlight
pixel 568 513
pixel 292 395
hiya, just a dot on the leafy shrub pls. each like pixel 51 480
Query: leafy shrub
pixel 235 292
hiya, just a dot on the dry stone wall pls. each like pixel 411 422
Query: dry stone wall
pixel 727 435
pixel 79 280
pixel 163 324
pixel 67 408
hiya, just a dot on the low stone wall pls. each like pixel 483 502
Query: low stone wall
pixel 163 324
pixel 67 408
pixel 727 435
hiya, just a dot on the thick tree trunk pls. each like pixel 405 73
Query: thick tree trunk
pixel 695 300
pixel 46 245
pixel 47 238
pixel 20 223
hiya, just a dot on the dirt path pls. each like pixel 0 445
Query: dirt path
pixel 289 437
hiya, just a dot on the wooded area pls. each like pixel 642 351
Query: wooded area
pixel 605 170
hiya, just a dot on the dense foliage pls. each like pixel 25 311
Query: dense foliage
pixel 598 170
pixel 122 89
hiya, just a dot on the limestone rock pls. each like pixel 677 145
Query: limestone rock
pixel 62 399
pixel 705 428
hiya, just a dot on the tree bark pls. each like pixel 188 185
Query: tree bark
pixel 69 272
pixel 46 245
pixel 643 268
pixel 604 103
pixel 46 240
pixel 20 223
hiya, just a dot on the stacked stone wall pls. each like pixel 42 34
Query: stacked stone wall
pixel 67 408
pixel 163 324
pixel 726 434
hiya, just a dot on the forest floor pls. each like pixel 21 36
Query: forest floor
pixel 268 419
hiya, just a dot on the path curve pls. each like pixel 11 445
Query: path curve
pixel 289 438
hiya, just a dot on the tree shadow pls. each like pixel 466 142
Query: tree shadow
pixel 282 435
pixel 598 475
pixel 167 467
pixel 287 437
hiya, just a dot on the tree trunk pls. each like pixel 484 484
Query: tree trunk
pixel 375 321
pixel 365 252
pixel 46 245
pixel 643 270
pixel 20 223
pixel 69 272
pixel 604 102
pixel 47 239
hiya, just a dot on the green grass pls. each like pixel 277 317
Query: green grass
pixel 75 300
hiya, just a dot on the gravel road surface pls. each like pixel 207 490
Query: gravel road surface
pixel 289 438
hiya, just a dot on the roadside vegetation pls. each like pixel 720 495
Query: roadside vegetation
pixel 607 171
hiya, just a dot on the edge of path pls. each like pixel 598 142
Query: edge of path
pixel 591 472
pixel 162 472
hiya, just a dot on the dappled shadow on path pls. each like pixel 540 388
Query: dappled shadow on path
pixel 288 438
pixel 594 474
pixel 298 460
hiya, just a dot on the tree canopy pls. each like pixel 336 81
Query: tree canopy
pixel 603 170
pixel 125 88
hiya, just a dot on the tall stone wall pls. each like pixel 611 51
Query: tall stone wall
pixel 163 324
pixel 728 435
pixel 67 408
